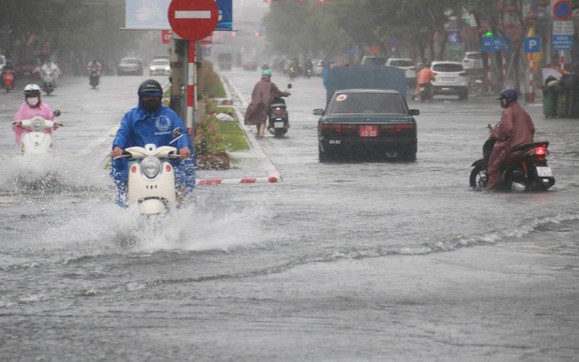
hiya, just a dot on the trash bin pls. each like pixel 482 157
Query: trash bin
pixel 549 101
pixel 574 103
pixel 563 102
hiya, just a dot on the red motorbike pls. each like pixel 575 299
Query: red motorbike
pixel 8 80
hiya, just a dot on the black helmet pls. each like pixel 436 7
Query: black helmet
pixel 150 87
pixel 508 94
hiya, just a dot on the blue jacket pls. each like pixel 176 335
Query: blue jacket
pixel 139 128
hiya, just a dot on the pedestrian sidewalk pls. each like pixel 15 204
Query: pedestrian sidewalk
pixel 252 166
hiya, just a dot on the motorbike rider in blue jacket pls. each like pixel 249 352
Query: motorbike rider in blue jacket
pixel 151 122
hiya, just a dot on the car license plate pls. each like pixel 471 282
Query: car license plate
pixel 544 172
pixel 368 130
pixel 278 124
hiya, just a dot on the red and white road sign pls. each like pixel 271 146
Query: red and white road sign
pixel 193 20
pixel 166 36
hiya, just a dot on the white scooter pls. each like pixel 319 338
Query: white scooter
pixel 48 82
pixel 151 182
pixel 36 141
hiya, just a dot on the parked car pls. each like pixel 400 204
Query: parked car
pixel 367 122
pixel 450 79
pixel 160 66
pixel 373 59
pixel 130 65
pixel 472 62
pixel 408 66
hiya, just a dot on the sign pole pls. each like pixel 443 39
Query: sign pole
pixel 562 59
pixel 489 87
pixel 504 54
pixel 191 90
pixel 531 97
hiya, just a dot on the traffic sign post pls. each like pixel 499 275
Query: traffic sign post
pixel 494 44
pixel 562 9
pixel 532 44
pixel 562 38
pixel 192 21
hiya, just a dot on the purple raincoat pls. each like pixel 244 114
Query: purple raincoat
pixel 515 128
pixel 261 97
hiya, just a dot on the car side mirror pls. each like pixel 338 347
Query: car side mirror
pixel 56 113
pixel 414 112
pixel 318 112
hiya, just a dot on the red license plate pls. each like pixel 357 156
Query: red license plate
pixel 368 130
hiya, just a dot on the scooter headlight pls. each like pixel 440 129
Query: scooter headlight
pixel 37 124
pixel 151 167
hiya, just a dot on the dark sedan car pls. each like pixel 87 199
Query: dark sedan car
pixel 367 122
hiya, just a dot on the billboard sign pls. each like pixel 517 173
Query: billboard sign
pixel 152 15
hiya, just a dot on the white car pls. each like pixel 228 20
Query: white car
pixel 373 60
pixel 160 66
pixel 450 79
pixel 472 61
pixel 407 65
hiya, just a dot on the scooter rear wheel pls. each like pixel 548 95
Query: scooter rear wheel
pixel 478 178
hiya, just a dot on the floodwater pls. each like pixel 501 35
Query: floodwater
pixel 341 261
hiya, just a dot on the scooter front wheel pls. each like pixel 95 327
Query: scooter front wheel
pixel 478 178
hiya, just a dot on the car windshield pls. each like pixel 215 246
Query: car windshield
pixel 367 103
pixel 160 62
pixel 474 56
pixel 401 63
pixel 447 67
pixel 130 61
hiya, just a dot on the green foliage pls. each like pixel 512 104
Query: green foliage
pixel 211 85
pixel 207 136
pixel 341 24
pixel 80 27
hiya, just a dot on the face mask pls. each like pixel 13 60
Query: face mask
pixel 152 104
pixel 504 103
pixel 33 101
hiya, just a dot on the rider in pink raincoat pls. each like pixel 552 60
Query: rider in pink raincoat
pixel 515 128
pixel 31 107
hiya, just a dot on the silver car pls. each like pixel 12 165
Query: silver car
pixel 130 65
pixel 160 67
pixel 450 79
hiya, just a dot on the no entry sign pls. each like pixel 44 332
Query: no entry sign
pixel 193 20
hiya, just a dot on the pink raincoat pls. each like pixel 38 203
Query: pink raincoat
pixel 27 112
pixel 515 128
pixel 261 97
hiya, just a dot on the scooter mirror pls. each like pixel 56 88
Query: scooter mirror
pixel 289 86
pixel 56 113
pixel 177 132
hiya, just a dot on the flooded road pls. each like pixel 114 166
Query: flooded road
pixel 341 261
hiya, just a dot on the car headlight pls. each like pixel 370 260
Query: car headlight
pixel 151 167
